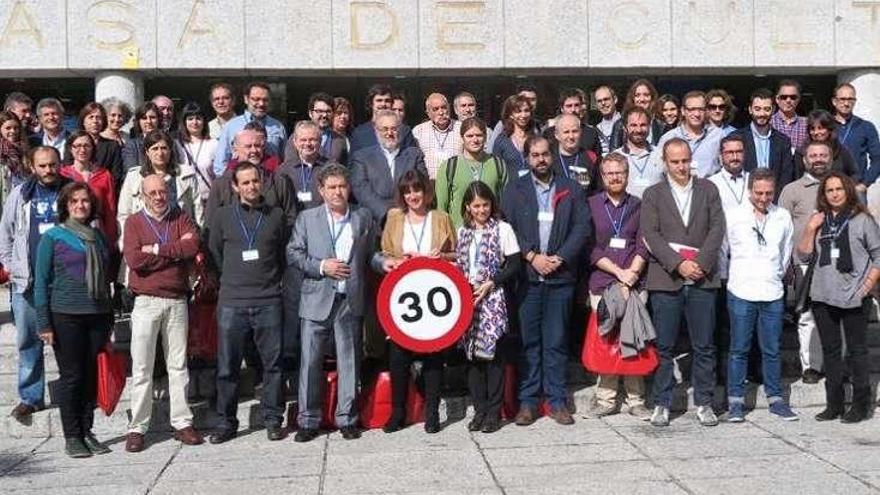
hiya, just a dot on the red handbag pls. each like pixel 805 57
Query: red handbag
pixel 509 399
pixel 201 341
pixel 601 354
pixel 328 409
pixel 376 403
pixel 111 378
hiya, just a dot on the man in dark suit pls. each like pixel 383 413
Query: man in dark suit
pixel 683 225
pixel 332 146
pixel 764 147
pixel 375 169
pixel 379 97
pixel 50 115
pixel 550 216
pixel 571 102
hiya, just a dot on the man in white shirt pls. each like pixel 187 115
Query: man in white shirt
pixel 761 240
pixel 643 172
pixel 731 182
pixel 438 137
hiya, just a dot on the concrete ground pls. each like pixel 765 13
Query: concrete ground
pixel 618 454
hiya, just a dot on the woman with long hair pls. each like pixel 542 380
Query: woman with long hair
pixel 516 118
pixel 147 119
pixel 195 148
pixel 13 148
pixel 643 94
pixel 667 110
pixel 107 153
pixel 843 240
pixel 822 127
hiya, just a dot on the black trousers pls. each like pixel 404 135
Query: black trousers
pixel 486 385
pixel 78 338
pixel 855 323
pixel 399 363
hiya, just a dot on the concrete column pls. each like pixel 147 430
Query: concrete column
pixel 125 86
pixel 867 84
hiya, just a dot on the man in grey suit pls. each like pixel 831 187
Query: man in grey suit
pixel 332 244
pixel 375 169
pixel 683 225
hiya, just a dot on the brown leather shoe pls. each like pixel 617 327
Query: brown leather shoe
pixel 562 416
pixel 525 416
pixel 134 442
pixel 188 436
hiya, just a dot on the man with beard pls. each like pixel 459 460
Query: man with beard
pixel 439 137
pixel 765 148
pixel 799 198
pixel 643 172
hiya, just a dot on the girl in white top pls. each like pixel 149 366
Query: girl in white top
pixel 193 147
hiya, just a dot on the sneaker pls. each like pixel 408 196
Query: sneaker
pixel 660 416
pixel 782 410
pixel 640 411
pixel 736 413
pixel 707 416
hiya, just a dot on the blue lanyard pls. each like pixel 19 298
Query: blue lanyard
pixel 565 166
pixel 617 225
pixel 162 239
pixel 478 247
pixel 836 229
pixel 641 170
pixel 249 237
pixel 306 179
pixel 421 235
pixel 334 235
pixel 849 127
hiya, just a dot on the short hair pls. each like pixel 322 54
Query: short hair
pixel 761 94
pixel 788 82
pixel 141 113
pixel 531 141
pixel 67 192
pixel 728 101
pixel 826 144
pixel 374 91
pixel 319 96
pixel 150 139
pixel 567 116
pixel 632 111
pixel 304 124
pixel 88 109
pixel 257 127
pixel 463 94
pixel 255 84
pixel 661 102
pixel 399 95
pixel 731 138
pixel 614 156
pixel 241 167
pixel 471 122
pixel 80 133
pixel 676 141
pixel 631 92
pixel 511 104
pixel 113 102
pixel 340 105
pixel 222 85
pixel 144 181
pixel 15 98
pixel 605 86
pixel 761 174
pixel 567 93
pixel 478 189
pixel 526 86
pixel 413 180
pixel 52 102
pixel 841 86
pixel 387 113
pixel 241 132
pixel 29 159
pixel 693 94
pixel 333 170
pixel 192 109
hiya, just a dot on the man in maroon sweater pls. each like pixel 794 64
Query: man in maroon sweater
pixel 158 243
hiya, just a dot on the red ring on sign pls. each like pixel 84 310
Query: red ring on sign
pixel 383 305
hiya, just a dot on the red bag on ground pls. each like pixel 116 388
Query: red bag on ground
pixel 328 411
pixel 201 342
pixel 376 404
pixel 602 354
pixel 111 378
pixel 509 398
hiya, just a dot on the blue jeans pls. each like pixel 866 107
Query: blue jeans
pixel 744 317
pixel 544 315
pixel 235 326
pixel 31 375
pixel 698 307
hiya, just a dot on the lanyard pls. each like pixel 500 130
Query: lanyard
pixel 742 189
pixel 334 235
pixel 306 178
pixel 836 229
pixel 421 235
pixel 759 230
pixel 249 237
pixel 617 225
pixel 849 127
pixel 565 166
pixel 162 238
pixel 441 145
pixel 478 246
pixel 641 170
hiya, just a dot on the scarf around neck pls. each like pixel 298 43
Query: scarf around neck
pixel 835 235
pixel 95 279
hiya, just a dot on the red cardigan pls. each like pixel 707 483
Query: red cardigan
pixel 102 185
pixel 165 274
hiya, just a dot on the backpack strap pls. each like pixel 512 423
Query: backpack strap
pixel 451 165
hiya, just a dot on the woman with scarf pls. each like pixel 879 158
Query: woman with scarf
pixel 488 254
pixel 413 229
pixel 843 241
pixel 72 302
pixel 13 148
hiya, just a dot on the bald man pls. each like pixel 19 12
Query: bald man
pixel 439 137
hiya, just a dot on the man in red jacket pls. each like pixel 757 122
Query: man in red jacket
pixel 158 243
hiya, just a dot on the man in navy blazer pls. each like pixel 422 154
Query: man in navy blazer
pixel 551 218
pixel 375 169
pixel 765 147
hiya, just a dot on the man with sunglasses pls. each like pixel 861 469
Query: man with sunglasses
pixel 785 119
pixel 760 235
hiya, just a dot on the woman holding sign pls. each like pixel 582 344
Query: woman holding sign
pixel 412 229
pixel 488 254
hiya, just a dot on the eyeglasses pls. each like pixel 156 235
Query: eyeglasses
pixel 788 97
pixel 81 146
pixel 853 99
pixel 717 107
pixel 694 109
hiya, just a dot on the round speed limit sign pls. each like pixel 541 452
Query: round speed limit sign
pixel 425 305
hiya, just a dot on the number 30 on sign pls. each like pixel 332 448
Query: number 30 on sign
pixel 425 305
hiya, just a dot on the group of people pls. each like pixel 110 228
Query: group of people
pixel 662 209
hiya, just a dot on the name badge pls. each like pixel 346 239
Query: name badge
pixel 617 243
pixel 835 253
pixel 545 216
pixel 43 227
pixel 250 255
pixel 523 173
pixel 304 196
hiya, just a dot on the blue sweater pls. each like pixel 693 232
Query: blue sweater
pixel 860 138
pixel 59 277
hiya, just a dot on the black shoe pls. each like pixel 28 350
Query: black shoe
pixel 811 376
pixel 432 426
pixel 396 423
pixel 491 425
pixel 305 435
pixel 828 414
pixel 350 432
pixel 477 423
pixel 222 436
pixel 94 445
pixel 854 414
pixel 274 432
pixel 75 448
